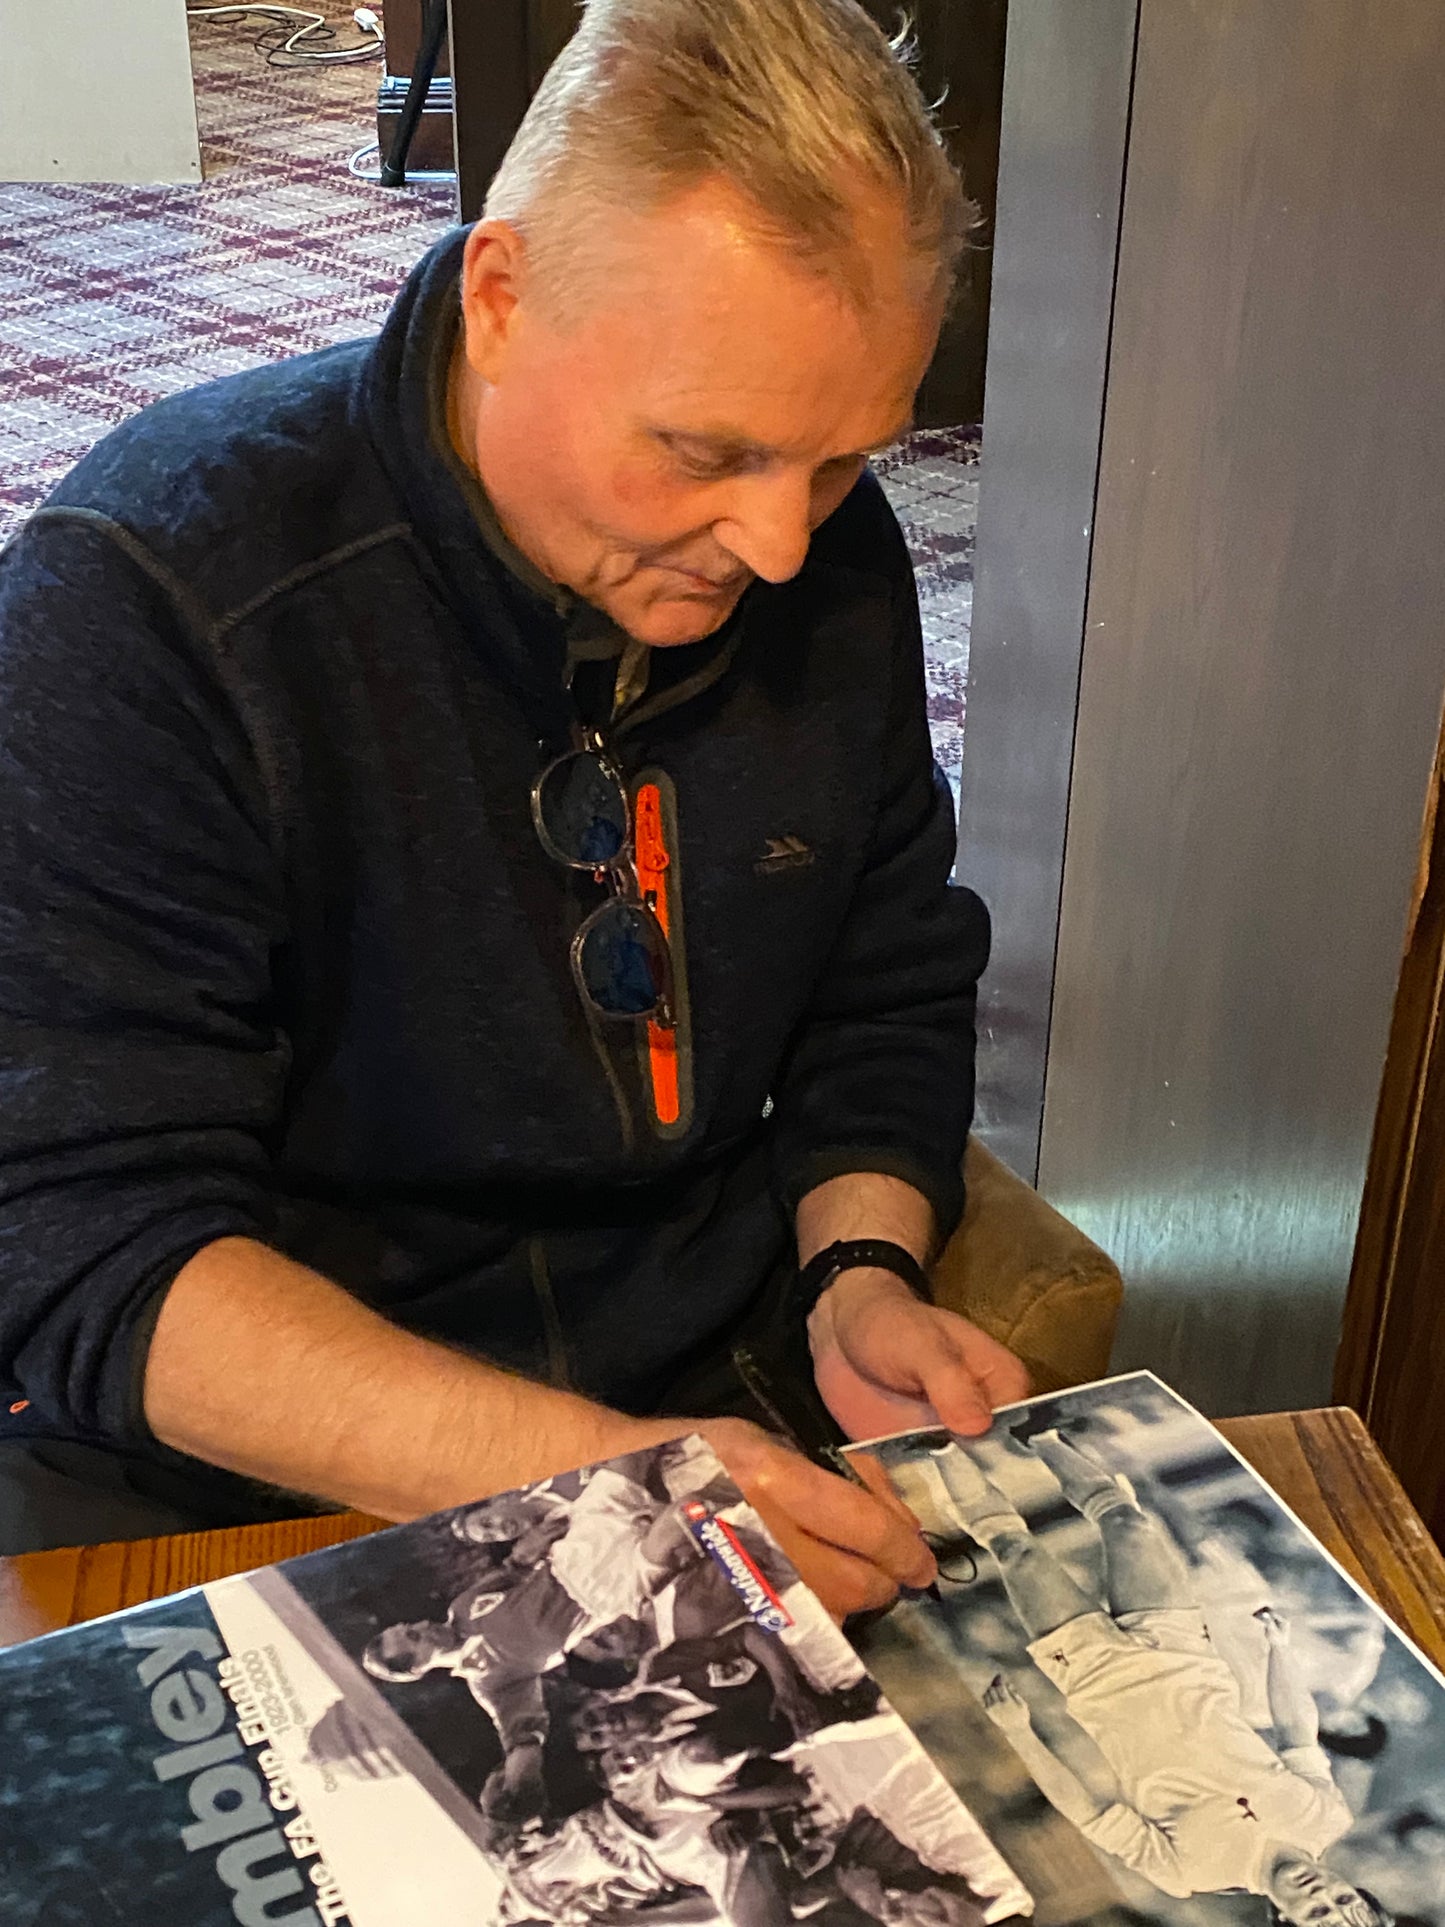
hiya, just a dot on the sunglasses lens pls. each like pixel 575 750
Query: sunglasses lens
pixel 582 810
pixel 622 960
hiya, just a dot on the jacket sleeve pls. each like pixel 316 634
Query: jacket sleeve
pixel 881 1074
pixel 140 902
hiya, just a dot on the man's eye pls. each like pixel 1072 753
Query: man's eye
pixel 701 466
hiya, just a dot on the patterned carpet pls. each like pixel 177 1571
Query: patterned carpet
pixel 111 297
pixel 932 481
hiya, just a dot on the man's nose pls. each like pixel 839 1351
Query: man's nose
pixel 769 526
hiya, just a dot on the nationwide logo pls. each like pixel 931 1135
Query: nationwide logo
pixel 784 853
pixel 718 1539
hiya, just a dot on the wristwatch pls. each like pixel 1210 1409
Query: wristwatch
pixel 858 1254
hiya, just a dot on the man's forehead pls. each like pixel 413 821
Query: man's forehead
pixel 716 333
pixel 722 437
pixel 759 412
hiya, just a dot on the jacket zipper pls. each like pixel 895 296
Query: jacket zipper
pixel 559 1371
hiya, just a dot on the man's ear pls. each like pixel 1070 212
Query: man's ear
pixel 494 272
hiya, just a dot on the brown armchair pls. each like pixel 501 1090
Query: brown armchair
pixel 1032 1280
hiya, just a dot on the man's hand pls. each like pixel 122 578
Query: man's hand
pixel 1275 1624
pixel 1292 1708
pixel 886 1363
pixel 516 1791
pixel 1006 1706
pixel 1059 1784
pixel 853 1547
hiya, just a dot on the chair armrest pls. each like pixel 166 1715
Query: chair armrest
pixel 1029 1278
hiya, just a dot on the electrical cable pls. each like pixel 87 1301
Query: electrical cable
pixel 315 23
pixel 286 42
pixel 372 152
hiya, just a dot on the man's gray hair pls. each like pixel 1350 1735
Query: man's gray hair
pixel 797 103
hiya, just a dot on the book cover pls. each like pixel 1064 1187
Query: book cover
pixel 604 1698
pixel 1166 1702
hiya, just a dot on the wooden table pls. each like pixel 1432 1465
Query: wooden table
pixel 1323 1464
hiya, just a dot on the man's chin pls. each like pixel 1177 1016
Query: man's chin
pixel 672 622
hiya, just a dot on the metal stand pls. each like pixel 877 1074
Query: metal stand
pixel 434 27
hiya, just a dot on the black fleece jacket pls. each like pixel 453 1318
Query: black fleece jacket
pixel 281 956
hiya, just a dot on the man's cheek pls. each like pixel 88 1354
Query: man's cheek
pixel 656 508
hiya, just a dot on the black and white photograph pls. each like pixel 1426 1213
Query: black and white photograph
pixel 1165 1701
pixel 645 1713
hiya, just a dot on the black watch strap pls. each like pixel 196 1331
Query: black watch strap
pixel 859 1254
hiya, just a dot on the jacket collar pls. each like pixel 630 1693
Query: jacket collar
pixel 518 633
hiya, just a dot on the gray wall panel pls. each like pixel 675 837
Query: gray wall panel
pixel 1262 678
pixel 1065 120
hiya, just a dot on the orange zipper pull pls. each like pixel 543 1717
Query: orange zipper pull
pixel 652 858
pixel 652 866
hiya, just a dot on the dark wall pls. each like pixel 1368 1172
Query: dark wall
pixel 961 53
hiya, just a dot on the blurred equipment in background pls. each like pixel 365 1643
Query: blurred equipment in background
pixel 433 36
pixel 285 44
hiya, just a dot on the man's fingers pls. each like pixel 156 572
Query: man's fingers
pixel 1004 1377
pixel 878 1481
pixel 843 1582
pixel 969 1374
pixel 855 1519
pixel 955 1392
pixel 844 1515
pixel 907 1351
pixel 854 1545
pixel 981 1372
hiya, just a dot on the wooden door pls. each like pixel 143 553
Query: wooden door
pixel 1392 1355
